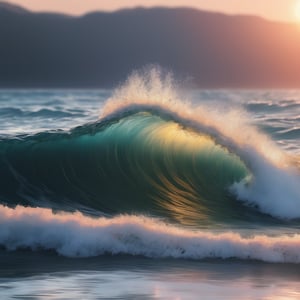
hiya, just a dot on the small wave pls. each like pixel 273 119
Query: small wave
pixel 41 113
pixel 291 133
pixel 50 113
pixel 75 235
pixel 10 112
pixel 272 107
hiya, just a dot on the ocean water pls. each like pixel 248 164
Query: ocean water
pixel 149 191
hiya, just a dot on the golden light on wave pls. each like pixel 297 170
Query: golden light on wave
pixel 173 134
pixel 180 198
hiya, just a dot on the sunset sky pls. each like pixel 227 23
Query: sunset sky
pixel 283 10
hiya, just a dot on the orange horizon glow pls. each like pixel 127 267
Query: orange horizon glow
pixel 280 10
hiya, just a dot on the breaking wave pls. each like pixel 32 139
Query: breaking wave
pixel 154 153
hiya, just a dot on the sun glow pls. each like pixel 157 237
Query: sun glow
pixel 297 10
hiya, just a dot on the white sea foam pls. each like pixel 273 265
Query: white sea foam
pixel 274 187
pixel 75 235
pixel 273 190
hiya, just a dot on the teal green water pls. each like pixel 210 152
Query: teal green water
pixel 141 163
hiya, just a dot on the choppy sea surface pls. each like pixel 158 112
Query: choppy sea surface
pixel 149 191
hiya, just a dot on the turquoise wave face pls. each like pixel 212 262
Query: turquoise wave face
pixel 135 162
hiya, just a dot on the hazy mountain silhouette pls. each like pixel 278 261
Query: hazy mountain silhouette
pixel 12 8
pixel 100 49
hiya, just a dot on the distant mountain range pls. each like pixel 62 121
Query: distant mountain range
pixel 100 49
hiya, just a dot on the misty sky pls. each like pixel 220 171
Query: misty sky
pixel 285 10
